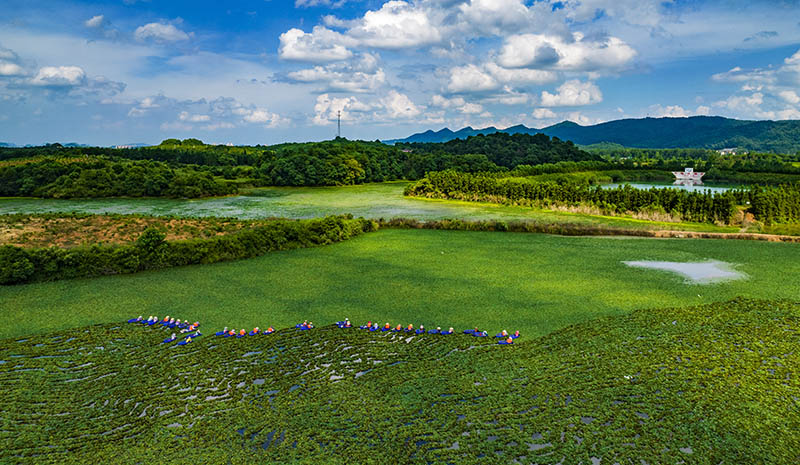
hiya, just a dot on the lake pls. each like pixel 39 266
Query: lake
pixel 685 187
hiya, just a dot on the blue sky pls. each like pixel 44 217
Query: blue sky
pixel 269 71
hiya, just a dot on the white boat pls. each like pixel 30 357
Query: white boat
pixel 688 174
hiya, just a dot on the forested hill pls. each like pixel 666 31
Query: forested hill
pixel 508 150
pixel 711 132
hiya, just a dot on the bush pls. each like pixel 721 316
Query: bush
pixel 151 251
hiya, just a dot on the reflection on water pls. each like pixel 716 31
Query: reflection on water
pixel 707 272
pixel 688 185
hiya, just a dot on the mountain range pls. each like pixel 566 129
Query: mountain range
pixel 712 132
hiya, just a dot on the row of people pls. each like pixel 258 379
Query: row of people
pixel 167 322
pixel 186 327
pixel 243 332
pixel 370 326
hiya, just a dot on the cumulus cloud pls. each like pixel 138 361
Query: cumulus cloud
pixel 101 26
pixel 320 45
pixel 395 25
pixel 471 78
pixel 543 113
pixel 362 75
pixel 160 32
pixel 399 106
pixel 59 76
pixel 766 93
pixel 541 51
pixel 456 103
pixel 95 21
pixel 10 64
pixel 573 93
pixel 327 109
pixel 186 116
pixel 677 111
pixel 392 107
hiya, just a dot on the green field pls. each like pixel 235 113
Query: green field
pixel 531 282
pixel 700 385
pixel 384 200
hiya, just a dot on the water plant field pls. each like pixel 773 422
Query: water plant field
pixel 702 385
pixel 531 282
pixel 384 200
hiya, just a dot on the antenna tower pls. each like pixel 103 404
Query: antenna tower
pixel 339 123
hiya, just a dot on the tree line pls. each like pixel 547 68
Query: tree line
pixel 100 177
pixel 768 204
pixel 151 251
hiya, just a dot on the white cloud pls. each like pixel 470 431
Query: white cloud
pixel 395 25
pixel 363 75
pixel 95 21
pixel 11 69
pixel 471 108
pixel 399 106
pixel 541 51
pixel 677 111
pixel 327 109
pixel 471 78
pixel 495 17
pixel 160 32
pixel 320 45
pixel 789 96
pixel 59 76
pixel 520 75
pixel 186 116
pixel 543 113
pixel 444 102
pixel 573 93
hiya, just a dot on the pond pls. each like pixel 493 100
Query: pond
pixel 686 187
pixel 384 200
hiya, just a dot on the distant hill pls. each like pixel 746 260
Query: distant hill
pixel 508 150
pixel 7 144
pixel 713 132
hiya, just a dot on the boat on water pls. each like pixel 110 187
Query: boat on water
pixel 688 174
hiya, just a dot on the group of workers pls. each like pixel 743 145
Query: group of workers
pixel 504 336
pixel 243 332
pixel 188 330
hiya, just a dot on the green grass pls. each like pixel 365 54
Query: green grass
pixel 384 200
pixel 701 385
pixel 531 282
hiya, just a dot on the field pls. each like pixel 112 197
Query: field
pixel 33 231
pixel 701 385
pixel 531 282
pixel 374 201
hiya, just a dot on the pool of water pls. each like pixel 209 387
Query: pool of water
pixel 707 272
pixel 685 187
pixel 383 200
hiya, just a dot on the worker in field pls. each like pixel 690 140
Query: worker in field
pixel 270 330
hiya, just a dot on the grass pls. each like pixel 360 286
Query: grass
pixel 531 282
pixel 702 385
pixel 384 200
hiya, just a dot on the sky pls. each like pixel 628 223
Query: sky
pixel 108 72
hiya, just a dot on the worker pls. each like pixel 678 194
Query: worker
pixel 386 327
pixel 220 333
pixel 254 331
pixel 515 335
pixel 398 328
pixel 448 332
pixel 421 329
pixel 270 330
pixel 502 334
pixel 506 342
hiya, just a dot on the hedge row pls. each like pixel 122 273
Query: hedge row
pixel 151 251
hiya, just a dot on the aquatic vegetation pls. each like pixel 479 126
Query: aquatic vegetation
pixel 708 384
